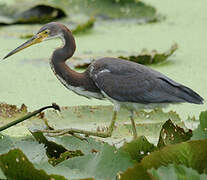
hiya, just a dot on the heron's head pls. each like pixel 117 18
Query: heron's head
pixel 48 31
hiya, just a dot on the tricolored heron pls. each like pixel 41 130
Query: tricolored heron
pixel 126 84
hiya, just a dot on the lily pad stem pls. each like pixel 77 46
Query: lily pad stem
pixel 29 115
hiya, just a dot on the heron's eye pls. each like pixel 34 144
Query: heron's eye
pixel 46 32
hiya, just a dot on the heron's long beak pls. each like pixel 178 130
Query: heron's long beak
pixel 34 40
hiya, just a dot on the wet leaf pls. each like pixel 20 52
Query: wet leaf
pixel 102 165
pixel 98 118
pixel 11 111
pixel 138 148
pixel 172 134
pixel 176 172
pixel 153 57
pixel 192 154
pixel 81 28
pixel 57 145
pixel 145 57
pixel 66 155
pixel 56 152
pixel 38 14
pixel 16 165
pixel 105 10
pixel 53 149
pixel 132 174
pixel 124 1
pixel 201 131
pixel 32 149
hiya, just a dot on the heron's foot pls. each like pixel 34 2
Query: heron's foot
pixel 54 133
pixel 74 132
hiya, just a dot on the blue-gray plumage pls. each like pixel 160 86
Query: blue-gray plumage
pixel 131 82
pixel 126 84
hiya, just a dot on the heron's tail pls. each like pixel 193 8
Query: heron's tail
pixel 190 96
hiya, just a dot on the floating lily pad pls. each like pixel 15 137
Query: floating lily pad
pixel 153 57
pixel 138 148
pixel 38 14
pixel 81 28
pixel 16 165
pixel 98 118
pixel 192 154
pixel 172 134
pixel 11 111
pixel 201 131
pixel 177 172
pixel 145 57
pixel 101 165
pixel 42 11
pixel 104 164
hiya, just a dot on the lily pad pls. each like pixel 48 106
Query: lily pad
pixel 81 28
pixel 48 10
pixel 138 148
pixel 145 57
pixel 192 154
pixel 16 165
pixel 201 131
pixel 176 172
pixel 102 165
pixel 97 118
pixel 172 134
pixel 38 14
pixel 153 57
pixel 11 112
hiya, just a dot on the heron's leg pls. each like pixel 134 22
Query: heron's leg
pixel 134 130
pixel 106 134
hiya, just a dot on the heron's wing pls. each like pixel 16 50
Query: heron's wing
pixel 130 82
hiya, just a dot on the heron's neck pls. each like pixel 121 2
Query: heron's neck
pixel 64 73
pixel 65 52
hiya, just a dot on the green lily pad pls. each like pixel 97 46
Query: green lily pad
pixel 98 118
pixel 172 134
pixel 83 27
pixel 16 165
pixel 107 10
pixel 32 149
pixel 138 148
pixel 57 145
pixel 192 154
pixel 201 131
pixel 176 172
pixel 38 14
pixel 101 165
pixel 153 57
pixel 145 57
pixel 53 149
pixel 56 152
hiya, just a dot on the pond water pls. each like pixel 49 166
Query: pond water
pixel 27 78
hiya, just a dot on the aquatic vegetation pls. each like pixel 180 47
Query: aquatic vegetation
pixel 69 157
